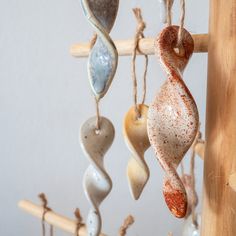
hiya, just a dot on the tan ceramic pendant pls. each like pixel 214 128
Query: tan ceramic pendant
pixel 97 183
pixel 136 137
pixel 173 117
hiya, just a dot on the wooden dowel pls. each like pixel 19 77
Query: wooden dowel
pixel 146 46
pixel 53 218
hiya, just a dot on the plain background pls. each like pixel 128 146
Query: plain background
pixel 45 97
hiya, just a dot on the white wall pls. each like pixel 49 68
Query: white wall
pixel 44 99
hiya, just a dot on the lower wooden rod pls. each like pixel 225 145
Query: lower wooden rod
pixel 145 46
pixel 53 218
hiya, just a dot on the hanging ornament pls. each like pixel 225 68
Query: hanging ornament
pixel 97 133
pixel 135 124
pixel 191 229
pixel 173 115
pixel 97 183
pixel 102 61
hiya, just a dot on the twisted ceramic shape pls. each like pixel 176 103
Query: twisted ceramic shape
pixel 102 62
pixel 136 138
pixel 97 183
pixel 173 116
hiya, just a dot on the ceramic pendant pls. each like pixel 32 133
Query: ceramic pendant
pixel 97 183
pixel 191 194
pixel 136 138
pixel 102 62
pixel 190 229
pixel 173 116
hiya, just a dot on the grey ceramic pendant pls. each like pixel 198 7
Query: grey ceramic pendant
pixel 102 62
pixel 97 183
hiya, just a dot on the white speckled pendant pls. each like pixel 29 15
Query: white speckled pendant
pixel 97 183
pixel 136 138
pixel 173 117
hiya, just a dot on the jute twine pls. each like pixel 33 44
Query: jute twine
pixel 138 35
pixel 169 4
pixel 127 223
pixel 79 221
pixel 46 209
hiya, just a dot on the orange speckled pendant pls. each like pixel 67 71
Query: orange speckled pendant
pixel 173 116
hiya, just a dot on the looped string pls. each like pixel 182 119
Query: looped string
pixel 138 35
pixel 127 223
pixel 46 209
pixel 79 221
pixel 169 4
pixel 181 25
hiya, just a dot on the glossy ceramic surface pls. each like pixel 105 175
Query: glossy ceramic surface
pixel 173 117
pixel 136 138
pixel 97 183
pixel 102 62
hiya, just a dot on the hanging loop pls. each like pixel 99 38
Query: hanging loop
pixel 138 35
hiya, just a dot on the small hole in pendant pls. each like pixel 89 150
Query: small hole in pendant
pixel 179 51
pixel 97 131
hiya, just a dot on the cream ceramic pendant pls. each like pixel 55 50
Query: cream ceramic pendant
pixel 136 138
pixel 97 183
pixel 173 117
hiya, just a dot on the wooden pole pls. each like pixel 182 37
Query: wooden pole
pixel 145 46
pixel 219 199
pixel 53 218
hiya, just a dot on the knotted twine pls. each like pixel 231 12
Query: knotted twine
pixel 127 223
pixel 138 35
pixel 79 221
pixel 46 209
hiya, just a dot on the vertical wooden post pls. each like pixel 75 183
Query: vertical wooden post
pixel 219 203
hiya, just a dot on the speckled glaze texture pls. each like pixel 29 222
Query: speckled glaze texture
pixel 102 62
pixel 173 117
pixel 136 138
pixel 97 183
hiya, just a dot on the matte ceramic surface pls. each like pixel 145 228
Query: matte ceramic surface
pixel 97 183
pixel 102 62
pixel 173 117
pixel 136 137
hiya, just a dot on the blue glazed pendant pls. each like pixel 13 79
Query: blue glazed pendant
pixel 102 61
